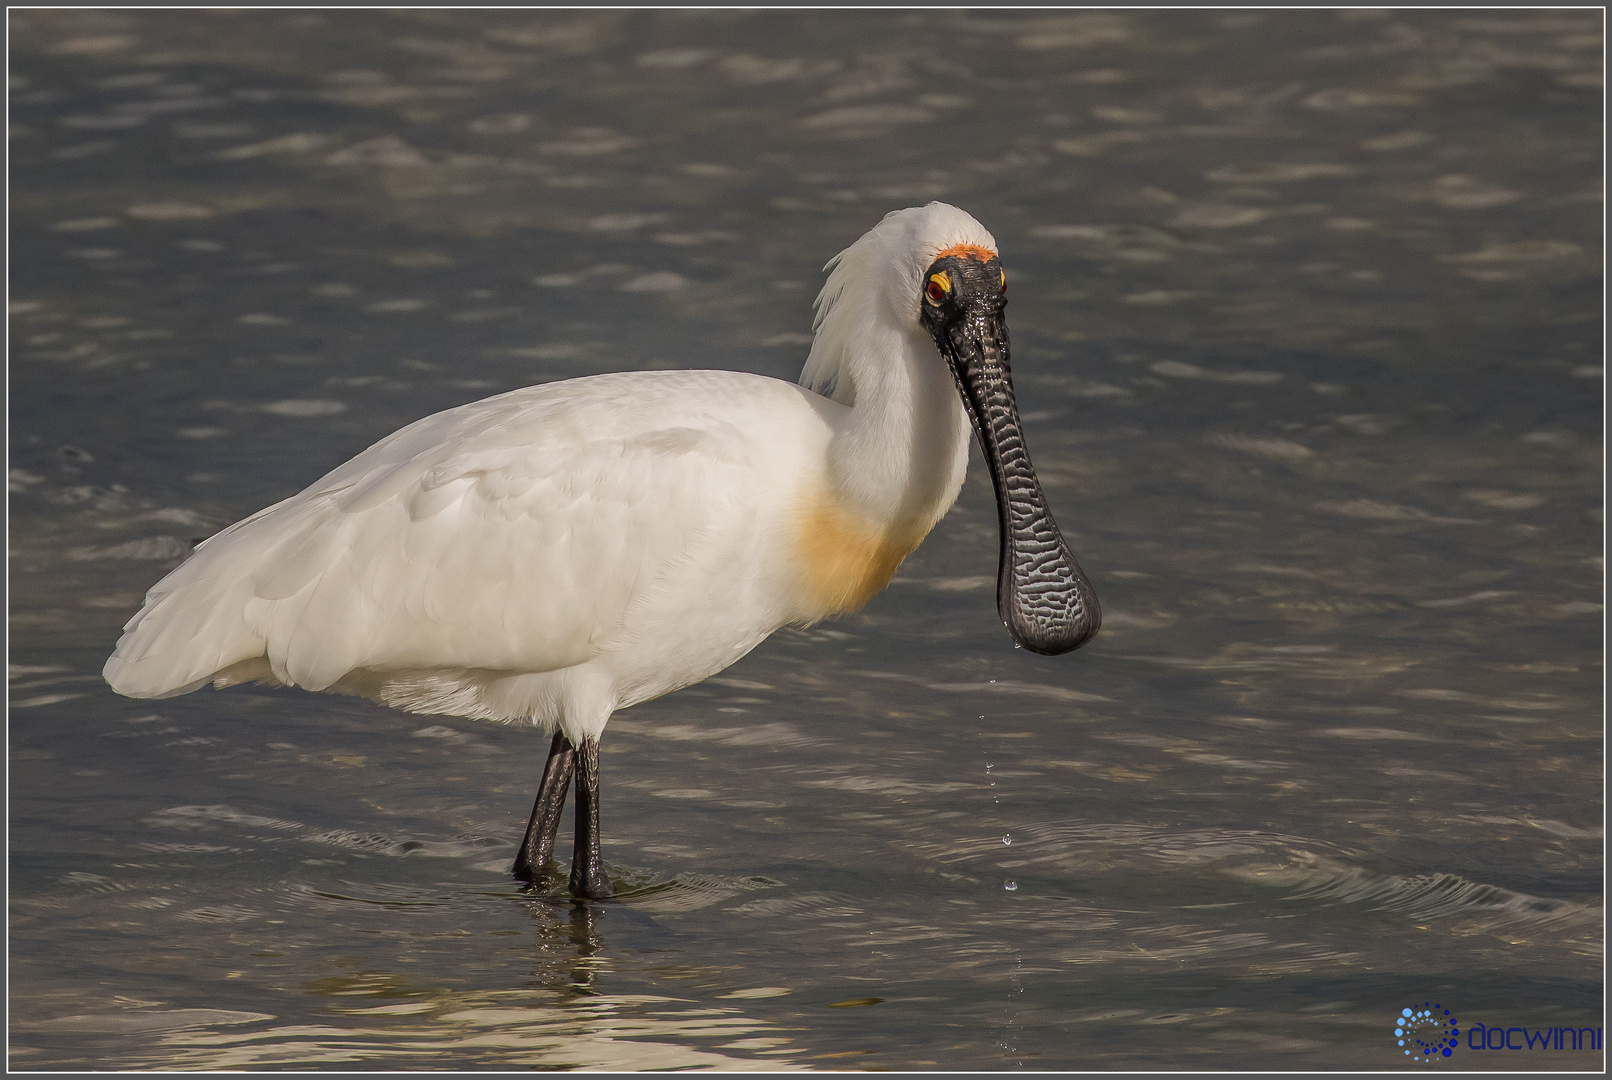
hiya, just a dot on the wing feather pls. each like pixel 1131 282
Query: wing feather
pixel 520 534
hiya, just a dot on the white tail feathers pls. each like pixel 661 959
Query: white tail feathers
pixel 177 644
pixel 193 625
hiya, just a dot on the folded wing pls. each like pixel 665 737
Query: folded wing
pixel 515 534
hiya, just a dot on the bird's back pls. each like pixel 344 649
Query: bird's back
pixel 574 523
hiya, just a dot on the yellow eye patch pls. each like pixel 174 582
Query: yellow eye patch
pixel 943 279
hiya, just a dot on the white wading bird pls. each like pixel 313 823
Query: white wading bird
pixel 553 554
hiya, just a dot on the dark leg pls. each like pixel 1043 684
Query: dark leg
pixel 538 847
pixel 588 878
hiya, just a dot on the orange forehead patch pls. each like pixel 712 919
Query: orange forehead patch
pixel 968 251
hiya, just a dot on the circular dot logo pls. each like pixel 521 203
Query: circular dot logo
pixel 1427 1033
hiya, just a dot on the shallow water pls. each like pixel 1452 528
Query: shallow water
pixel 1306 313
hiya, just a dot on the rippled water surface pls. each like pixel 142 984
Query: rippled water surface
pixel 1306 314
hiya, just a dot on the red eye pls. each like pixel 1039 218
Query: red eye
pixel 935 293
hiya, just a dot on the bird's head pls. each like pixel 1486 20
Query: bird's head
pixel 940 264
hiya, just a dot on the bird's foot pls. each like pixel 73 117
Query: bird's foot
pixel 595 887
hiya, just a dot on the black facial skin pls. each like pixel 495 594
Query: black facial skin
pixel 1041 593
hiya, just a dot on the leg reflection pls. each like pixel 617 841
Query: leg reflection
pixel 589 946
pixel 570 954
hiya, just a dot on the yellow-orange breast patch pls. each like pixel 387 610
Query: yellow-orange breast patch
pixel 844 561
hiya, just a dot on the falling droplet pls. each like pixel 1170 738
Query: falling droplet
pixel 1010 885
pixel 1007 840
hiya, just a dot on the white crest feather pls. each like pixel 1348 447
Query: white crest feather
pixel 872 288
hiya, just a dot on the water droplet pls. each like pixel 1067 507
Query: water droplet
pixel 1010 885
pixel 1007 840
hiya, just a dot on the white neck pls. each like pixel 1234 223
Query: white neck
pixel 899 457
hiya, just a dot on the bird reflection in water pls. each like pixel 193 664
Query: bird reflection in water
pixel 570 950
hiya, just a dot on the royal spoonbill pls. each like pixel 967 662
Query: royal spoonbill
pixel 553 554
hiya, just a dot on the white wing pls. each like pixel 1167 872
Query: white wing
pixel 515 534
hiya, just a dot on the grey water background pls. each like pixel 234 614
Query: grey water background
pixel 1307 316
